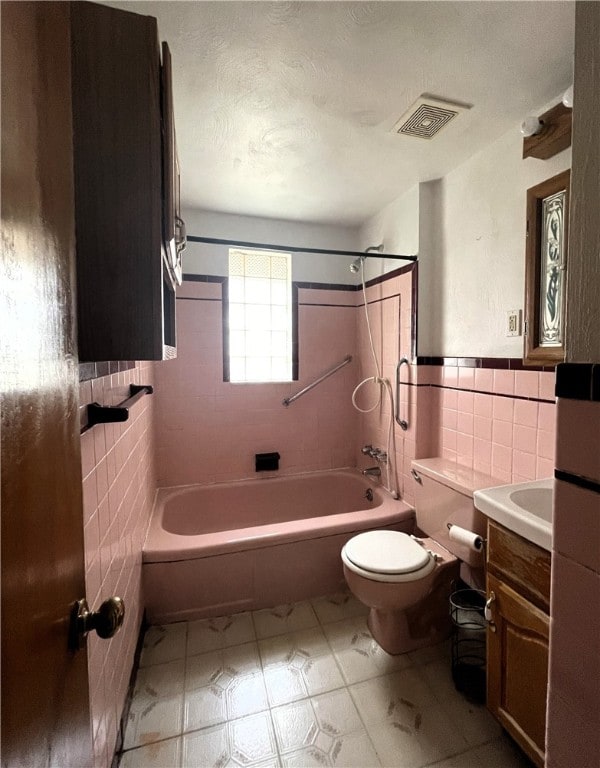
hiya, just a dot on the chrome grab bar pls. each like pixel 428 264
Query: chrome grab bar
pixel 288 400
pixel 402 422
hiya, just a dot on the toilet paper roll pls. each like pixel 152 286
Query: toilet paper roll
pixel 468 538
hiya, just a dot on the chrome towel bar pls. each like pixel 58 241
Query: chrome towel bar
pixel 402 422
pixel 288 400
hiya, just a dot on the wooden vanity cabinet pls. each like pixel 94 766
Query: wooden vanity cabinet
pixel 125 289
pixel 518 581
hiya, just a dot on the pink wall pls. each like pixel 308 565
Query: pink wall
pixel 118 491
pixel 208 430
pixel 201 429
pixel 499 422
pixel 390 307
pixel 573 720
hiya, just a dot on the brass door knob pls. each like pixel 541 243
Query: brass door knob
pixel 106 621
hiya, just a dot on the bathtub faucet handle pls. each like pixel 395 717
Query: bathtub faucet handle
pixel 367 450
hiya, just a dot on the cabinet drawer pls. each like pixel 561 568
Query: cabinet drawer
pixel 518 562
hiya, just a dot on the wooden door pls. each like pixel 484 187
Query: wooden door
pixel 518 667
pixel 45 710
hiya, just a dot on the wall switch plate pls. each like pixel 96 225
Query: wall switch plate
pixel 513 322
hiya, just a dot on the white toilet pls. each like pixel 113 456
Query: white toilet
pixel 406 580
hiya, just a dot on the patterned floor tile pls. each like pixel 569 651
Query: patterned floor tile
pixel 353 751
pixel 403 742
pixel 298 665
pixel 206 668
pixel 284 619
pixel 294 648
pixel 152 720
pixel 401 696
pixel 244 695
pixel 439 652
pixel 221 632
pixel 407 726
pixel 502 753
pixel 323 730
pixel 342 605
pixel 157 704
pixel 163 643
pixel 160 680
pixel 223 685
pixel 473 721
pixel 357 653
pixel 468 759
pixel 162 754
pixel 204 689
pixel 249 741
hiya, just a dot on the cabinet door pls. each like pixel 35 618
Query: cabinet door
pixel 118 184
pixel 173 227
pixel 518 667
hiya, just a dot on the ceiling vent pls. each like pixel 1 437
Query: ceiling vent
pixel 427 116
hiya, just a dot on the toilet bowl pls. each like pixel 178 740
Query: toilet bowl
pixel 405 580
pixel 391 572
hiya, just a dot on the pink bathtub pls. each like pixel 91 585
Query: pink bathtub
pixel 218 549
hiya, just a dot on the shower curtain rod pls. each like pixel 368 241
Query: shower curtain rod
pixel 295 248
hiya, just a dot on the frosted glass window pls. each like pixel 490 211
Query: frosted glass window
pixel 236 289
pixel 237 319
pixel 260 316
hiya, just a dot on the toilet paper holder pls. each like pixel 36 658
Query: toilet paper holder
pixel 470 537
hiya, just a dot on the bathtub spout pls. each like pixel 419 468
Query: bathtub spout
pixel 372 472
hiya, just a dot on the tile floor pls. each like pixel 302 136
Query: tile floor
pixel 301 685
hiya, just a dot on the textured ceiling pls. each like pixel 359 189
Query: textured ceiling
pixel 283 110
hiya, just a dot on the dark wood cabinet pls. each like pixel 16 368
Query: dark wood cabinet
pixel 518 583
pixel 173 226
pixel 125 286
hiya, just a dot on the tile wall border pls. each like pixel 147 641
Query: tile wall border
pixel 578 480
pixel 578 381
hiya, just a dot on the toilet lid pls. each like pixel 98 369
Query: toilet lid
pixel 386 552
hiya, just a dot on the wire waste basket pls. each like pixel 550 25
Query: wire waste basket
pixel 469 643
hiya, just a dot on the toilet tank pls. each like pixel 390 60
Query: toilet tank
pixel 444 495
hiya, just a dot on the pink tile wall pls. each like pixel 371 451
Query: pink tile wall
pixel 118 491
pixel 499 422
pixel 390 308
pixel 573 720
pixel 208 430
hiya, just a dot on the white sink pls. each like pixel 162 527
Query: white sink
pixel 525 508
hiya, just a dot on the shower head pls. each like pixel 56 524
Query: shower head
pixel 356 264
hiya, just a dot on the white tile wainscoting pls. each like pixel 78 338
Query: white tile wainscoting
pixel 301 685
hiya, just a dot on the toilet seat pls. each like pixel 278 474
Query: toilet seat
pixel 387 556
